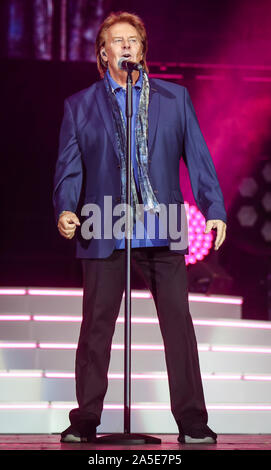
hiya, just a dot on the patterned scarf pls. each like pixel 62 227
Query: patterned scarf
pixel 141 130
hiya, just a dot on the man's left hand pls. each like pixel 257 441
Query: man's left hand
pixel 221 230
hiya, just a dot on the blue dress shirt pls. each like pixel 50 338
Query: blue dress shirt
pixel 143 241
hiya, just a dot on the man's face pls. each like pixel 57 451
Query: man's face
pixel 121 40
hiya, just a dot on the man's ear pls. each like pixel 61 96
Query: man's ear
pixel 104 55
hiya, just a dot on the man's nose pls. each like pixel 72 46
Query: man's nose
pixel 126 44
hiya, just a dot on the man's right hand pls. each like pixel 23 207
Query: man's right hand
pixel 67 223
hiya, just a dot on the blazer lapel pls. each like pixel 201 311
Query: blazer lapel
pixel 106 114
pixel 153 114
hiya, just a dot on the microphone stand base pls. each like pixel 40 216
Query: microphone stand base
pixel 127 438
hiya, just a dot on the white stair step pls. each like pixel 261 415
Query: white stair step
pixel 207 331
pixel 53 418
pixel 227 345
pixel 216 390
pixel 141 360
pixel 59 301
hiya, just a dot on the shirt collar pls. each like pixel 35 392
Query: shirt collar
pixel 117 87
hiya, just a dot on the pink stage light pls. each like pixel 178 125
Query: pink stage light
pixel 136 347
pixel 12 291
pixel 134 376
pixel 204 347
pixel 57 345
pixel 79 293
pixel 242 349
pixel 147 406
pixel 148 376
pixel 134 294
pixel 7 345
pixel 24 406
pixel 216 299
pixel 61 406
pixel 59 375
pixel 140 295
pixel 219 299
pixel 139 320
pixel 115 407
pixel 200 243
pixel 15 317
pixel 57 292
pixel 21 374
pixel 257 377
pixel 240 407
pixel 65 318
pixel 234 324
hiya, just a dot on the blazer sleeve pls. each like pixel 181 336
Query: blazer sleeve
pixel 202 173
pixel 68 172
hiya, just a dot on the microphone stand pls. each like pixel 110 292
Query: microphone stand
pixel 127 437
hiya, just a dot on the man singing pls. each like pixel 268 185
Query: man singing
pixel 90 169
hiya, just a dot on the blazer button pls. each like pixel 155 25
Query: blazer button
pixel 155 191
pixel 117 199
pixel 118 165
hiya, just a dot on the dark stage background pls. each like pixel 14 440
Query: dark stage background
pixel 221 51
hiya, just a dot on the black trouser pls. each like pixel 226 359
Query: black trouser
pixel 165 275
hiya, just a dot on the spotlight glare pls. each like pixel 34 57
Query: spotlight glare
pixel 266 231
pixel 248 187
pixel 266 201
pixel 247 216
pixel 199 242
pixel 267 172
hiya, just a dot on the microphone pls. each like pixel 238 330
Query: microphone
pixel 125 64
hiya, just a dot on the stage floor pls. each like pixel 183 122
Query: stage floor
pixel 169 442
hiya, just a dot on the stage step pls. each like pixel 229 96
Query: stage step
pixel 52 417
pixel 62 329
pixel 36 385
pixel 39 333
pixel 49 357
pixel 27 300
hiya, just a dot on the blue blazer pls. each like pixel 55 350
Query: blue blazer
pixel 88 167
